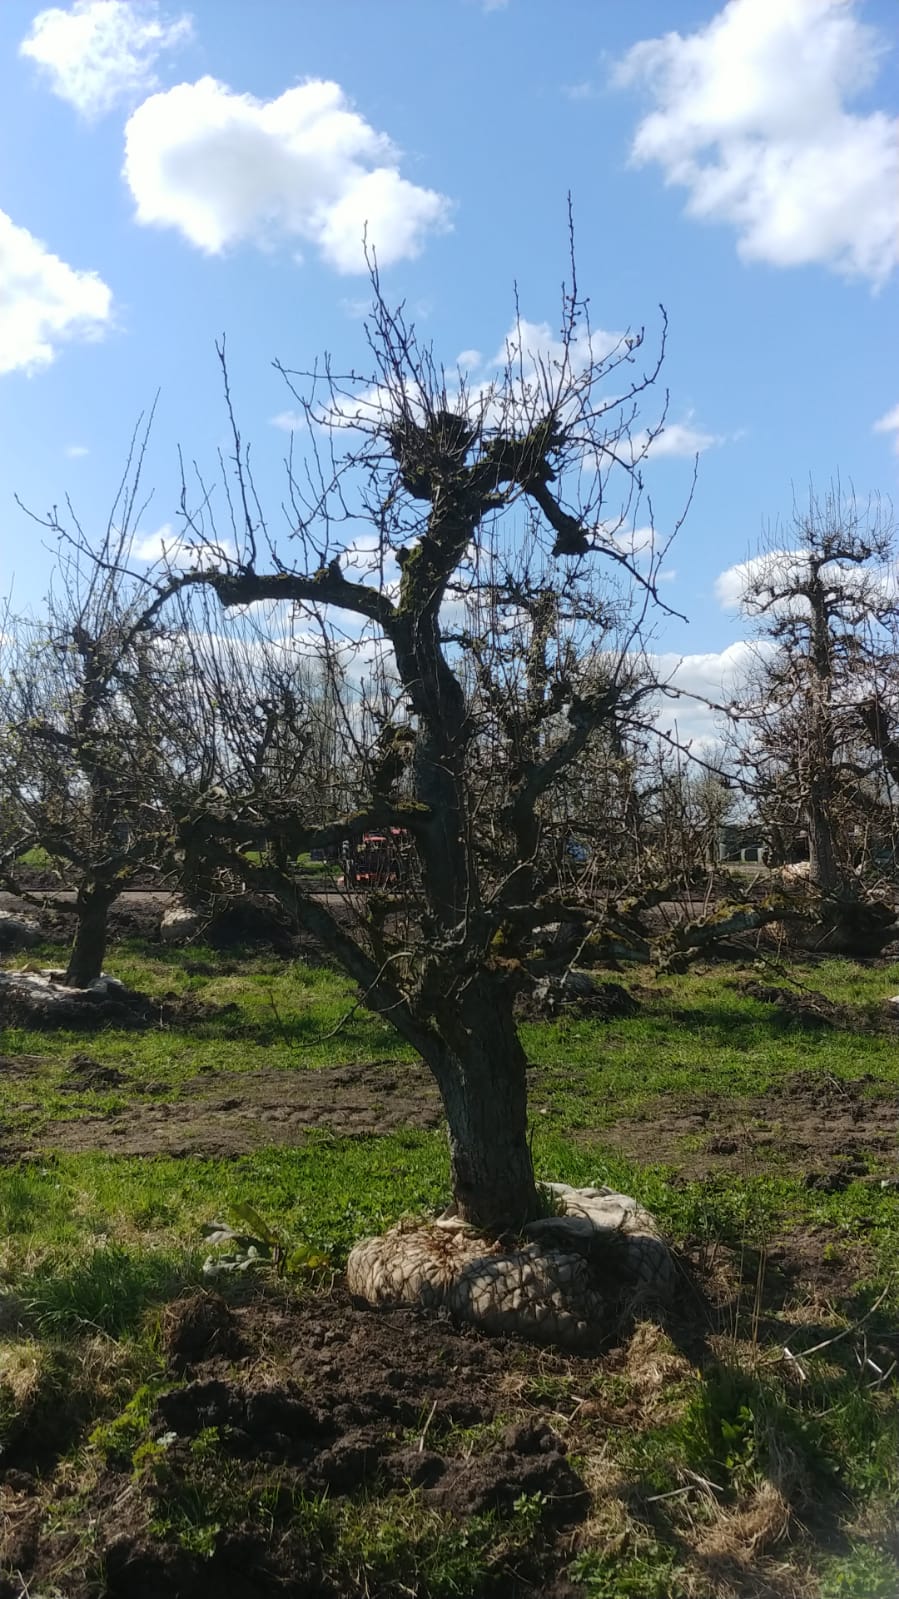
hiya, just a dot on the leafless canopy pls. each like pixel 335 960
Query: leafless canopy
pixel 816 718
pixel 92 746
pixel 463 558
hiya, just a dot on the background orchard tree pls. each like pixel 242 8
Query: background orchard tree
pixel 93 739
pixel 683 804
pixel 268 715
pixel 451 535
pixel 825 609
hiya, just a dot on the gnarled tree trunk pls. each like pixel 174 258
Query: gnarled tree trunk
pixel 89 945
pixel 441 470
pixel 483 1083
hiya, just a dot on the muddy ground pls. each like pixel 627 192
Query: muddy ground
pixel 137 914
pixel 827 1129
pixel 309 1399
pixel 232 1113
pixel 344 1399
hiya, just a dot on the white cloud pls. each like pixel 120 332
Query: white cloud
pixel 535 344
pixel 730 586
pixel 168 546
pixel 677 439
pixel 43 301
pixel 99 52
pixel 75 452
pixel 535 357
pixel 890 424
pixel 368 560
pixel 630 541
pixel 712 673
pixel 682 438
pixel 356 307
pixel 755 585
pixel 289 421
pixel 748 584
pixel 696 685
pixel 225 167
pixel 366 553
pixel 751 117
pixel 584 90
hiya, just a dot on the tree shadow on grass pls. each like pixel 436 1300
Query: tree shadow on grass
pixel 756 1455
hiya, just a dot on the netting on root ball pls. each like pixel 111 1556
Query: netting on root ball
pixel 565 1283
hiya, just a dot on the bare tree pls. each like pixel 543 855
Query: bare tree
pixel 267 711
pixel 92 737
pixel 448 535
pixel 812 728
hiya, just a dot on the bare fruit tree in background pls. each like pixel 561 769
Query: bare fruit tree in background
pixel 813 720
pixel 92 736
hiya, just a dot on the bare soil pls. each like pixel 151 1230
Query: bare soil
pixel 271 1400
pixel 135 914
pixel 828 1130
pixel 138 911
pixel 232 1113
pixel 311 1397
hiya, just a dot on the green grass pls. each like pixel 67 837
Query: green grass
pixel 141 1218
pixel 693 1035
pixel 331 1191
pixel 323 869
pixel 264 1014
pixel 698 1034
pixel 93 1245
pixel 864 1573
pixel 106 1290
pixel 38 858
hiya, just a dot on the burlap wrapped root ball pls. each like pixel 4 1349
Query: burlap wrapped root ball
pixel 569 1277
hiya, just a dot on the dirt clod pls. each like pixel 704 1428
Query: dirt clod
pixel 414 1468
pixel 86 1075
pixel 195 1327
pixel 493 1482
pixel 138 1570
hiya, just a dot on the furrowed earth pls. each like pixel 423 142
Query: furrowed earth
pixel 171 1421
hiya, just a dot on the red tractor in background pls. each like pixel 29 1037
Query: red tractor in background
pixel 376 860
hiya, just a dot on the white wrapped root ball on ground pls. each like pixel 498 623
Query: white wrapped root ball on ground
pixel 411 1266
pixel 561 1286
pixel 179 924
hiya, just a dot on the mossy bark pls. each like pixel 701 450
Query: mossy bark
pixel 91 933
pixel 483 1084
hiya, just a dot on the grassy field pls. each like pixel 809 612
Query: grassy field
pixel 749 1445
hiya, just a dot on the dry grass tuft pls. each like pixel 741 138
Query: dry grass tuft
pixel 651 1360
pixel 741 1535
pixel 654 1370
pixel 23 1371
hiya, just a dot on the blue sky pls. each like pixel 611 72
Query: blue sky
pixel 172 174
